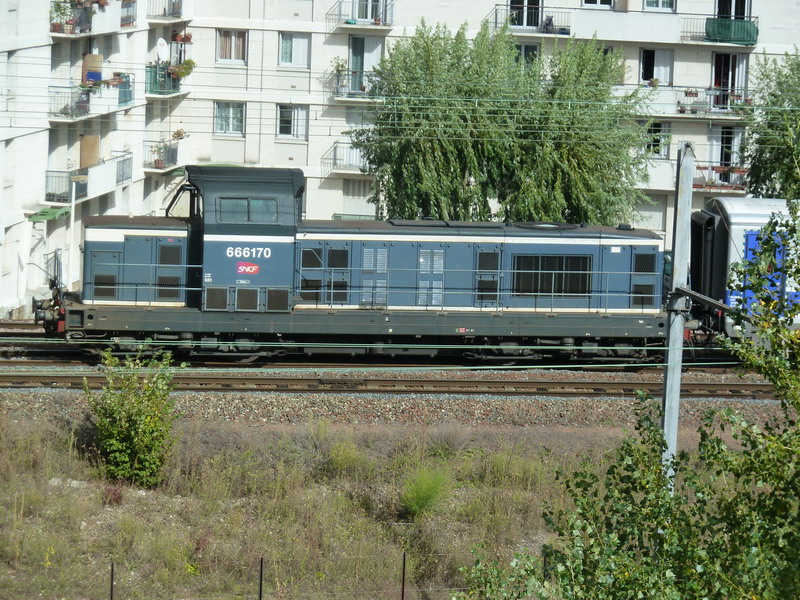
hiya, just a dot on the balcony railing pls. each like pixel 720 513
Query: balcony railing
pixel 89 182
pixel 526 19
pixel 165 9
pixel 343 156
pixel 361 12
pixel 719 176
pixel 353 84
pixel 58 185
pixel 728 30
pixel 102 97
pixel 74 18
pixel 159 80
pixel 163 154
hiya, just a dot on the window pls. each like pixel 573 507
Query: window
pixel 551 276
pixel 659 138
pixel 598 3
pixel 229 117
pixel 294 50
pixel 231 45
pixel 524 13
pixel 656 64
pixel 248 210
pixel 293 121
pixel 659 4
pixel 527 53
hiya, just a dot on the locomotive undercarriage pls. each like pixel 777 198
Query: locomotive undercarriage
pixel 200 334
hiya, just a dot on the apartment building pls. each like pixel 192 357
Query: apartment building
pixel 102 102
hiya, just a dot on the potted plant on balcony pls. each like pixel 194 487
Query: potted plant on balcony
pixel 178 134
pixel 690 93
pixel 59 13
pixel 340 71
pixel 182 69
pixel 158 155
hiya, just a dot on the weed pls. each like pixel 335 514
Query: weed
pixel 422 490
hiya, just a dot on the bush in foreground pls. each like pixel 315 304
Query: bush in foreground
pixel 133 417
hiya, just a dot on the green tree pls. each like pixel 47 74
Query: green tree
pixel 730 528
pixel 133 417
pixel 773 129
pixel 461 122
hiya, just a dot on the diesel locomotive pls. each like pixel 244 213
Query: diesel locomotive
pixel 239 272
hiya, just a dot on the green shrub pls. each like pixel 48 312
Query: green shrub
pixel 133 417
pixel 422 490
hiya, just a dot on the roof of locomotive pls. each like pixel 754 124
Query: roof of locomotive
pixel 434 227
pixel 127 222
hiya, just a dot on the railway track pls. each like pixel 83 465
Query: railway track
pixel 223 382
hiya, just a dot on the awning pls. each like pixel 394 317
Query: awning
pixel 46 214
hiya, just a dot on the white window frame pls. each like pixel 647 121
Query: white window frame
pixel 659 5
pixel 605 4
pixel 228 50
pixel 297 119
pixel 294 49
pixel 522 48
pixel 229 120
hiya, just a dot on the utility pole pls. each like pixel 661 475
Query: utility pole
pixel 677 304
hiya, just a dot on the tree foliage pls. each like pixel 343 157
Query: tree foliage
pixel 773 132
pixel 133 417
pixel 461 122
pixel 730 528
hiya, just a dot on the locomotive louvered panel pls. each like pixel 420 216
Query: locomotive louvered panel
pixel 422 293
pixel 105 286
pixel 368 260
pixel 278 300
pixel 381 261
pixel 438 261
pixel 169 255
pixel 437 297
pixel 168 288
pixel 367 292
pixel 487 290
pixel 311 258
pixel 216 298
pixel 424 261
pixel 247 299
pixel 380 292
pixel 488 261
pixel 644 262
pixel 644 295
pixel 338 258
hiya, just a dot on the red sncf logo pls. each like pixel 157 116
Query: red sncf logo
pixel 246 267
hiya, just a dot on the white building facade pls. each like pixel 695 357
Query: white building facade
pixel 102 102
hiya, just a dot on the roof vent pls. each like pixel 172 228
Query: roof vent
pixel 625 226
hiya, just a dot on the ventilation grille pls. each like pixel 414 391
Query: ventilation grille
pixel 278 300
pixel 488 261
pixel 169 255
pixel 487 290
pixel 247 299
pixel 168 288
pixel 216 298
pixel 644 263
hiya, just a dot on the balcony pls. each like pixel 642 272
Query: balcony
pixel 742 31
pixel 73 102
pixel 713 176
pixel 372 15
pixel 166 10
pixel 159 81
pixel 524 20
pixel 89 182
pixel 353 85
pixel 81 18
pixel 343 157
pixel 165 155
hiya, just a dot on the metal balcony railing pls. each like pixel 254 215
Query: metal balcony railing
pixel 713 174
pixel 527 19
pixel 165 9
pixel 69 102
pixel 728 30
pixel 58 185
pixel 158 80
pixel 362 12
pixel 160 154
pixel 343 155
pixel 353 84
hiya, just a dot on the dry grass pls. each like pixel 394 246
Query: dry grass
pixel 320 503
